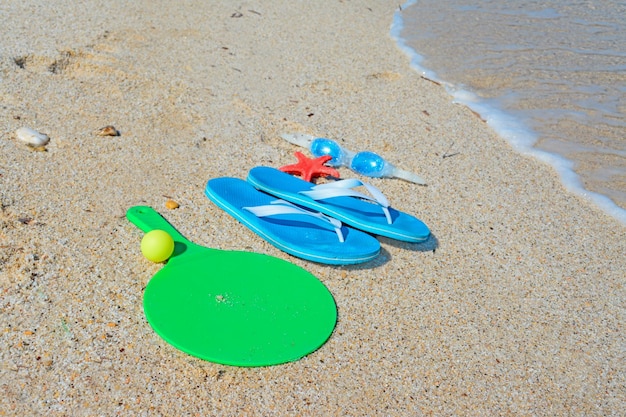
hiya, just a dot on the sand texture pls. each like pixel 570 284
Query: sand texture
pixel 515 306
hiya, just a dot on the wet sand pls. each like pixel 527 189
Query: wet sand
pixel 515 306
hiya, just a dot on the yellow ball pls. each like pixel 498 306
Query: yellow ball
pixel 157 246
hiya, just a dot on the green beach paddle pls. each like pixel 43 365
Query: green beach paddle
pixel 234 307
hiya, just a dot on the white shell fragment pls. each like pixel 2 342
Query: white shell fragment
pixel 31 137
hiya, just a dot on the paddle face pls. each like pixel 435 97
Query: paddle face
pixel 232 307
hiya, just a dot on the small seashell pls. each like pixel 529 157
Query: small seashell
pixel 171 204
pixel 108 131
pixel 31 137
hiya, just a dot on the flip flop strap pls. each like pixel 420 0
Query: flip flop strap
pixel 278 207
pixel 343 188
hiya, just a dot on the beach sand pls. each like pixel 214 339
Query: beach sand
pixel 515 306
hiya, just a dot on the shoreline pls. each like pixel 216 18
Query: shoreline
pixel 522 137
pixel 515 306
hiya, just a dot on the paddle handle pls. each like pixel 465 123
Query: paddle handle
pixel 148 219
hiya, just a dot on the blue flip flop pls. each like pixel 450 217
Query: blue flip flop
pixel 292 229
pixel 338 200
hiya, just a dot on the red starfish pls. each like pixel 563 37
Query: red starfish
pixel 309 168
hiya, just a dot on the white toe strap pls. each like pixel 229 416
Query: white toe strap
pixel 278 207
pixel 343 188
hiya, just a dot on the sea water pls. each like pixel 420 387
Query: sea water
pixel 550 77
